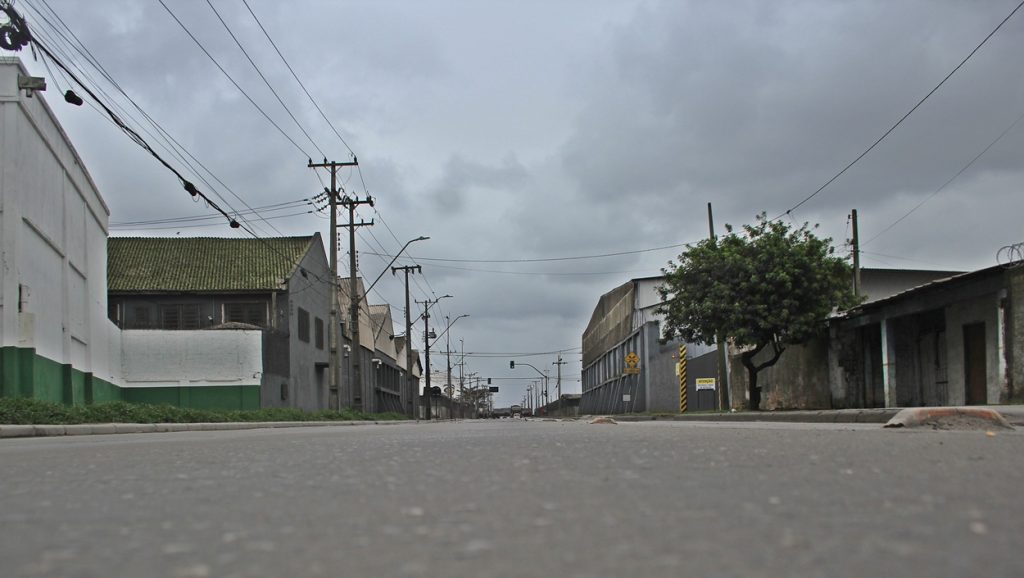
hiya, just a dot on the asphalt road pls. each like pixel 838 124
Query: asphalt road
pixel 506 498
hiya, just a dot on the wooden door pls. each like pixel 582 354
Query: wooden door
pixel 975 374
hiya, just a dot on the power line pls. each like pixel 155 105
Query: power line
pixel 171 145
pixel 296 77
pixel 897 257
pixel 199 225
pixel 541 273
pixel 192 218
pixel 951 179
pixel 141 142
pixel 229 77
pixel 265 81
pixel 550 259
pixel 904 117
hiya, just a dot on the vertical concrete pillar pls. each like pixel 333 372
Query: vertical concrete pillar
pixel 889 362
pixel 1003 376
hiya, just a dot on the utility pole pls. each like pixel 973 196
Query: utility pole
pixel 723 367
pixel 410 390
pixel 462 379
pixel 427 304
pixel 856 253
pixel 426 352
pixel 358 393
pixel 448 379
pixel 558 383
pixel 334 400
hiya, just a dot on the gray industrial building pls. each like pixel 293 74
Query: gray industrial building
pixel 625 322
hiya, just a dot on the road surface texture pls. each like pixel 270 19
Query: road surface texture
pixel 514 498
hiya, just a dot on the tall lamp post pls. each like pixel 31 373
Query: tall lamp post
pixel 427 304
pixel 512 365
pixel 410 391
pixel 448 351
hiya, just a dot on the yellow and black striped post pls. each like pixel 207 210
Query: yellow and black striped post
pixel 682 378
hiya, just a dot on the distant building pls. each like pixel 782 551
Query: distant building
pixel 625 321
pixel 276 289
pixel 385 383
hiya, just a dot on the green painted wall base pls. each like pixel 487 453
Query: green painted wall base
pixel 23 373
pixel 228 397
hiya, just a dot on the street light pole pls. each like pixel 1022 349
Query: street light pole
pixel 512 365
pixel 427 304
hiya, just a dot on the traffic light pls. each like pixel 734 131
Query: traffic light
pixel 512 364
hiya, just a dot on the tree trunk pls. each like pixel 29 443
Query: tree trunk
pixel 754 392
pixel 747 357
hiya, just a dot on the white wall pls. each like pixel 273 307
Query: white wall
pixel 152 358
pixel 53 231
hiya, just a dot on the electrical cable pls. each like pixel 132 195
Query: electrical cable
pixel 296 77
pixel 950 180
pixel 551 259
pixel 172 145
pixel 265 81
pixel 904 117
pixel 229 77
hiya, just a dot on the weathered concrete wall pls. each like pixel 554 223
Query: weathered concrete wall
pixel 311 292
pixel 1014 392
pixel 276 386
pixel 799 380
pixel 200 358
pixel 981 310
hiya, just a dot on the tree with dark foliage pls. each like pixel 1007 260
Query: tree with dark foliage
pixel 766 287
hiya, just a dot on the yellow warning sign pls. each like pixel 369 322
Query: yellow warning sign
pixel 632 363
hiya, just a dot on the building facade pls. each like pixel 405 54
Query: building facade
pixel 625 326
pixel 57 343
pixel 276 288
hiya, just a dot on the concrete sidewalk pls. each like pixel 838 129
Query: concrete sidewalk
pixel 24 431
pixel 1014 414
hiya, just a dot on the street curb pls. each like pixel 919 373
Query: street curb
pixel 921 416
pixel 29 431
pixel 877 416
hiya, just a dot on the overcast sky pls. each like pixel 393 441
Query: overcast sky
pixel 530 130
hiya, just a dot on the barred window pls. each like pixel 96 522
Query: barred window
pixel 184 316
pixel 251 313
pixel 142 318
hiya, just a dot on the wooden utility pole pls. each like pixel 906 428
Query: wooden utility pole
pixel 411 391
pixel 426 346
pixel 723 360
pixel 334 400
pixel 558 383
pixel 357 395
pixel 856 253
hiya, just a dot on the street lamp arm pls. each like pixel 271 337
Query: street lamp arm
pixel 393 259
pixel 452 322
pixel 430 303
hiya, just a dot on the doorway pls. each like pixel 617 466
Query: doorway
pixel 975 373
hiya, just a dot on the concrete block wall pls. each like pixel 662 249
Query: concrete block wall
pixel 799 380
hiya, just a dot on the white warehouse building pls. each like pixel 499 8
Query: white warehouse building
pixel 57 342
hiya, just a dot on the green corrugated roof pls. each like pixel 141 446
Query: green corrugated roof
pixel 177 264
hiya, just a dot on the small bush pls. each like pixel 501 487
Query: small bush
pixel 26 411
